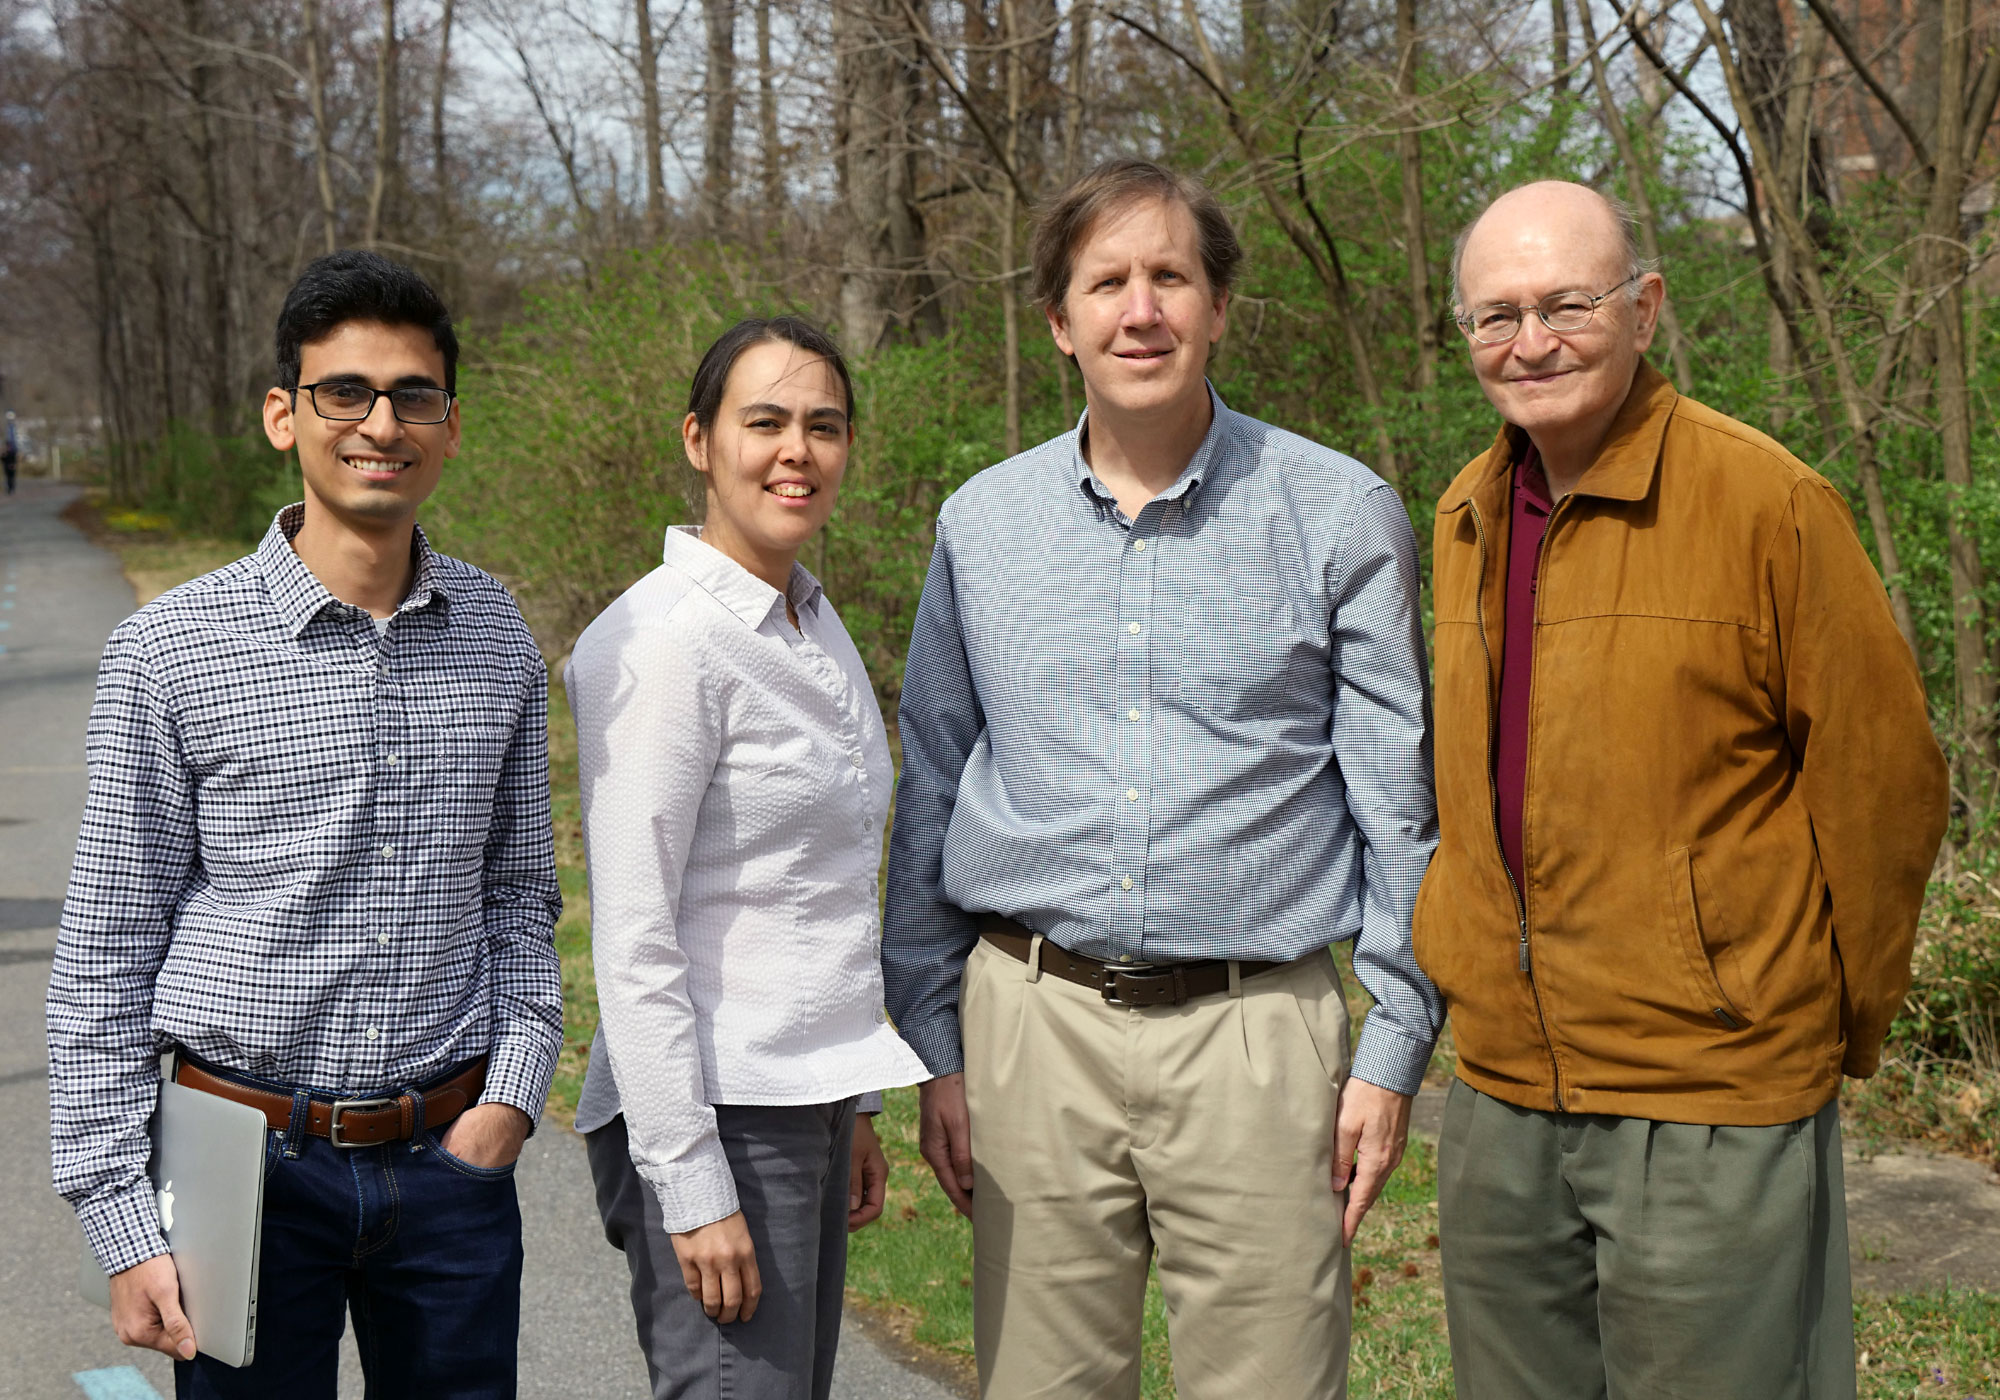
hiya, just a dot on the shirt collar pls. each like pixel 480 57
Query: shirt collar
pixel 1199 466
pixel 734 586
pixel 298 594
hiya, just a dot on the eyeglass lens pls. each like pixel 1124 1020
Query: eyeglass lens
pixel 349 403
pixel 1565 311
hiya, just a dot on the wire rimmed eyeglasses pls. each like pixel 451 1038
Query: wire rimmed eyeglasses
pixel 1497 323
pixel 346 401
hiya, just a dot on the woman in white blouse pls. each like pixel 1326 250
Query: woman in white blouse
pixel 736 778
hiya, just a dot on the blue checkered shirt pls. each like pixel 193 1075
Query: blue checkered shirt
pixel 308 853
pixel 1200 733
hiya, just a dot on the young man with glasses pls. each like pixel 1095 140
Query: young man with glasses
pixel 316 865
pixel 1688 797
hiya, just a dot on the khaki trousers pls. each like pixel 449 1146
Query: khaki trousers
pixel 1104 1134
pixel 1588 1257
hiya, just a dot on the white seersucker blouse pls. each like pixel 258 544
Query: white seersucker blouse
pixel 736 779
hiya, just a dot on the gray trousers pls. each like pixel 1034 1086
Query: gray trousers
pixel 1588 1257
pixel 791 1170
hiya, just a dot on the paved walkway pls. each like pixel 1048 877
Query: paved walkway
pixel 59 599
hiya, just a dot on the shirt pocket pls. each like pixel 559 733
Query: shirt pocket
pixel 1240 656
pixel 468 751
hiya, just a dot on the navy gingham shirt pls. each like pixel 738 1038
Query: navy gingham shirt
pixel 309 853
pixel 1200 733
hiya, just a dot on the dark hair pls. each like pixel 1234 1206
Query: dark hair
pixel 712 375
pixel 1065 221
pixel 352 285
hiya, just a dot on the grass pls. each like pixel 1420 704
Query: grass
pixel 914 1269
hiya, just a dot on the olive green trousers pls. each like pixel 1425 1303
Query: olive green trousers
pixel 1589 1257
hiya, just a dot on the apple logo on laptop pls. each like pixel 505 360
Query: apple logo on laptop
pixel 167 1206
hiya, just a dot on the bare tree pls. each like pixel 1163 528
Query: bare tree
pixel 649 120
pixel 388 130
pixel 718 112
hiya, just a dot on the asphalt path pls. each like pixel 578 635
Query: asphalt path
pixel 59 598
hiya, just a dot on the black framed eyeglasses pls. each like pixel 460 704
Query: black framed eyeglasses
pixel 345 401
pixel 1497 323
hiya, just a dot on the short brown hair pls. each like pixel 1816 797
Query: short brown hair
pixel 1064 222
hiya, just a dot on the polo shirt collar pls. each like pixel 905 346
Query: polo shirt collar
pixel 1199 467
pixel 299 596
pixel 734 586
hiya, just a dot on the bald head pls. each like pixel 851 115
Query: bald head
pixel 1584 222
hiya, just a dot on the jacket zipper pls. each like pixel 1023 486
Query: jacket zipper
pixel 1493 788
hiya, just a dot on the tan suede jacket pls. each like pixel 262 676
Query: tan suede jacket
pixel 1733 799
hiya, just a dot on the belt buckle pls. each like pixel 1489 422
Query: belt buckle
pixel 1109 988
pixel 341 1106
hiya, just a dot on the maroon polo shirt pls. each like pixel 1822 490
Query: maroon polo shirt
pixel 1517 662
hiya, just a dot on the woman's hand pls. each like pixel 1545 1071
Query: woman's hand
pixel 719 1267
pixel 868 1175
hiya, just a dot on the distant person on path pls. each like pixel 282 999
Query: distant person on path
pixel 10 453
pixel 1165 737
pixel 316 861
pixel 736 780
pixel 1689 797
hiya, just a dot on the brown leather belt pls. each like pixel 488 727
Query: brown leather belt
pixel 350 1122
pixel 1122 984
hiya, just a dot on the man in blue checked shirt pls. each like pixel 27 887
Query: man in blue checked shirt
pixel 1165 738
pixel 316 863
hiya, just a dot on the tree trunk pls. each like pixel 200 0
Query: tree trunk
pixel 1010 292
pixel 213 231
pixel 1410 152
pixel 649 121
pixel 439 167
pixel 316 64
pixel 864 80
pixel 1946 265
pixel 718 113
pixel 1076 91
pixel 1559 43
pixel 388 131
pixel 1642 204
pixel 771 153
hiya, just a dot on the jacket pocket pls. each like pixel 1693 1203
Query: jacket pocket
pixel 1686 889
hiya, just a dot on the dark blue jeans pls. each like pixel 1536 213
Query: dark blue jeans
pixel 423 1248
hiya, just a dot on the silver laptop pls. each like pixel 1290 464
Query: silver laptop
pixel 208 1171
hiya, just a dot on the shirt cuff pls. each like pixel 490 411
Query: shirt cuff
pixel 518 1073
pixel 937 1044
pixel 123 1228
pixel 697 1190
pixel 870 1102
pixel 1389 1059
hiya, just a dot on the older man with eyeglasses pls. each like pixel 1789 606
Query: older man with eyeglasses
pixel 1688 797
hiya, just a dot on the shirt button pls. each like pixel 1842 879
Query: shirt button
pixel 388 852
pixel 1131 794
pixel 1132 715
pixel 855 759
pixel 373 1033
pixel 390 759
pixel 383 939
pixel 1124 957
pixel 1138 546
pixel 882 1016
pixel 1126 882
pixel 1133 628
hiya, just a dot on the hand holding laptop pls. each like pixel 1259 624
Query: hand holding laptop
pixel 146 1308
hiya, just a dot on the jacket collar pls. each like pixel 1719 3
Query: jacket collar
pixel 1626 464
pixel 732 585
pixel 299 596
